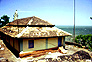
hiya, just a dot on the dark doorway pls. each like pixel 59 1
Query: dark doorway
pixel 59 41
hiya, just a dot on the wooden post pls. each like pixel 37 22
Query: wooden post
pixel 9 40
pixel 13 42
pixel 20 44
pixel 46 43
pixel 63 42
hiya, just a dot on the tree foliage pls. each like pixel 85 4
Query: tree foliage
pixel 5 19
pixel 85 40
pixel 1 23
pixel 90 17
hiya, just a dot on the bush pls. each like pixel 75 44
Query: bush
pixel 85 40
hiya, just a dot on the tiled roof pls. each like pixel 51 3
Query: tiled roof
pixel 31 32
pixel 29 21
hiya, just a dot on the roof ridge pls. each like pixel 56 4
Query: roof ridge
pixel 30 22
pixel 22 18
pixel 42 19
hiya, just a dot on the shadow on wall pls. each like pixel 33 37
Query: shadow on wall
pixel 14 51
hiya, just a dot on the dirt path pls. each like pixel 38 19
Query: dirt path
pixel 6 54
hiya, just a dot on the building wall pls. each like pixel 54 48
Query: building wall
pixel 38 44
pixel 7 38
pixel 0 35
pixel 52 42
pixel 16 44
pixel 11 41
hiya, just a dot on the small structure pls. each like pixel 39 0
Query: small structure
pixel 32 33
pixel 15 15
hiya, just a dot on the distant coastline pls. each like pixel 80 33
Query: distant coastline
pixel 78 29
pixel 84 30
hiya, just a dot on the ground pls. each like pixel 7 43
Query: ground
pixel 48 55
pixel 6 54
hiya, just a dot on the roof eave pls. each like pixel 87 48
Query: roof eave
pixel 32 25
pixel 42 37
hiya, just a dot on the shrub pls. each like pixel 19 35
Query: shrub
pixel 85 40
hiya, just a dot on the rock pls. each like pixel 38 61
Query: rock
pixel 2 49
pixel 79 55
pixel 0 46
pixel 3 60
pixel 88 60
pixel 90 54
pixel 62 50
pixel 82 54
pixel 55 60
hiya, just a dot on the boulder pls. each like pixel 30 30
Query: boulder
pixel 62 50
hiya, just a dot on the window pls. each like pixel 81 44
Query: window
pixel 31 43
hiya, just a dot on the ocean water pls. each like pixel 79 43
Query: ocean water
pixel 84 30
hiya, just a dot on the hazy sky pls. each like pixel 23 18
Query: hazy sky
pixel 58 12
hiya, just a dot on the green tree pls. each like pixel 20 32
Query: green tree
pixel 85 40
pixel 5 20
pixel 1 23
pixel 91 18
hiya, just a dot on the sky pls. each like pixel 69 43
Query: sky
pixel 58 12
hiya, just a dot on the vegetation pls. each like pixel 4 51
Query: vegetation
pixel 90 17
pixel 5 19
pixel 85 40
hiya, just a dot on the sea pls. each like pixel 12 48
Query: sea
pixel 84 30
